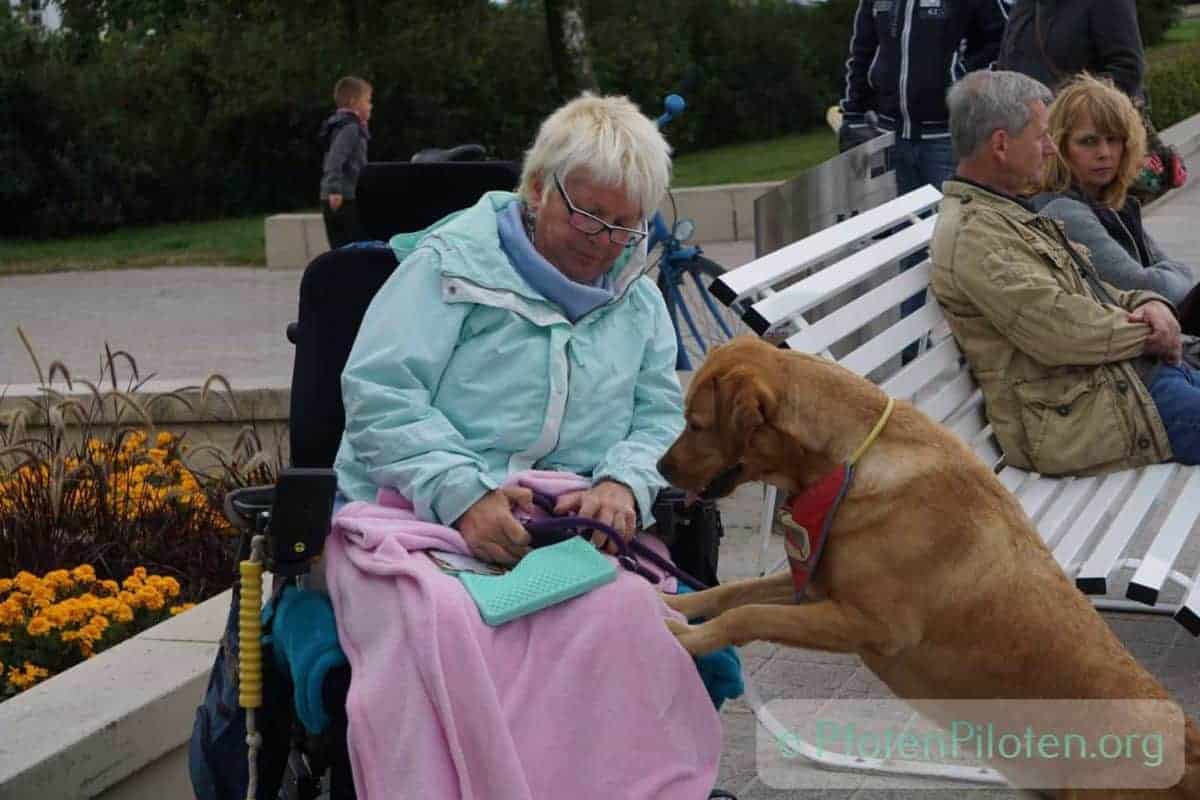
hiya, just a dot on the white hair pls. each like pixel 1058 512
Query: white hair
pixel 984 102
pixel 611 139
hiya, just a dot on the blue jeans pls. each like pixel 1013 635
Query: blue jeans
pixel 1176 393
pixel 918 162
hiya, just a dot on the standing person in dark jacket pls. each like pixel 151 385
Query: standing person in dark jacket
pixel 346 132
pixel 1055 40
pixel 904 55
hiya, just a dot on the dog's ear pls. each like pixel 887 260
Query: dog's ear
pixel 749 401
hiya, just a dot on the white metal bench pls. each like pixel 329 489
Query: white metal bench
pixel 1098 527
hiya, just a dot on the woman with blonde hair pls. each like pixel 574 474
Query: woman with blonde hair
pixel 1101 144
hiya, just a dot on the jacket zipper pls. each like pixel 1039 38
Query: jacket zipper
pixel 905 37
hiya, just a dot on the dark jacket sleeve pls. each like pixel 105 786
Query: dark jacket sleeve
pixel 860 97
pixel 1118 44
pixel 984 32
pixel 341 150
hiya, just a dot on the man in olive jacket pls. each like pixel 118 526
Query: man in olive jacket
pixel 1078 377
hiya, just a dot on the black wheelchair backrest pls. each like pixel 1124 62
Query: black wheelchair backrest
pixel 338 286
pixel 401 196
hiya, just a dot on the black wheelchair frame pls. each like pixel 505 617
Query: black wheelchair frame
pixel 294 514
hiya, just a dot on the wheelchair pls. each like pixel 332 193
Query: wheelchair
pixel 292 517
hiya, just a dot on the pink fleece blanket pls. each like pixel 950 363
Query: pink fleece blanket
pixel 591 698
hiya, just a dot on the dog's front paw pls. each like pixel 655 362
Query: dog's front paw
pixel 691 605
pixel 696 639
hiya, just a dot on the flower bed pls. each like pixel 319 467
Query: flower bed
pixel 122 522
pixel 51 623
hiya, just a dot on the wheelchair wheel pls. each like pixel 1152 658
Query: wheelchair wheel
pixel 298 782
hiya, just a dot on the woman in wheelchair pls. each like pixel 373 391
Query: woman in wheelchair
pixel 518 335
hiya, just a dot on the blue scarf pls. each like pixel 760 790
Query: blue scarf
pixel 575 299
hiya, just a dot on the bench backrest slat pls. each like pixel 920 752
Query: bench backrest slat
pixel 850 271
pixel 943 357
pixel 791 260
pixel 817 337
pixel 876 351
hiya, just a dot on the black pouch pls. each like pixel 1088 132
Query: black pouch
pixel 692 533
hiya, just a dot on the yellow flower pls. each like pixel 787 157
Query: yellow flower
pixel 110 586
pixel 132 583
pixel 42 596
pixel 99 623
pixel 26 581
pixel 124 613
pixel 59 579
pixel 84 573
pixel 163 439
pixel 38 626
pixel 179 609
pixel 24 678
pixel 151 598
pixel 6 585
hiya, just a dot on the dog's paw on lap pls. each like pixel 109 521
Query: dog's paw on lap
pixel 691 605
pixel 698 640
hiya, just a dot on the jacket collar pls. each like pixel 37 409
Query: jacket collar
pixel 472 240
pixel 969 191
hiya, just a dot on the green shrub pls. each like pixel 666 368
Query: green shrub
pixel 1155 17
pixel 1173 84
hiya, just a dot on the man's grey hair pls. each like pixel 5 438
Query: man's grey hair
pixel 984 102
pixel 610 138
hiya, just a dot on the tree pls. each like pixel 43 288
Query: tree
pixel 569 47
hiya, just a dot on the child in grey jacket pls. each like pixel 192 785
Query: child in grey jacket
pixel 346 155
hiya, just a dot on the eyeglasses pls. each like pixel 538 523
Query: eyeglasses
pixel 592 225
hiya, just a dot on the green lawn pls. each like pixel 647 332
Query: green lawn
pixel 225 242
pixel 771 160
pixel 1187 30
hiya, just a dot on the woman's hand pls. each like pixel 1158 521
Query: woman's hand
pixel 491 530
pixel 609 502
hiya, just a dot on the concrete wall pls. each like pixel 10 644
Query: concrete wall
pixel 115 726
pixel 722 214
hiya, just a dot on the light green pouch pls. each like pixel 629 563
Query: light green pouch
pixel 546 576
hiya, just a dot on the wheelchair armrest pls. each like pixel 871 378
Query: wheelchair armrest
pixel 242 506
pixel 303 505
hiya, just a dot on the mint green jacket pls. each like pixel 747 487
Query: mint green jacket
pixel 463 374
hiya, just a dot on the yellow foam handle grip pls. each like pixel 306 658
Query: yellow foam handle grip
pixel 250 636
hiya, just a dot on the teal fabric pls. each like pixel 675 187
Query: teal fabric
pixel 305 644
pixel 575 299
pixel 463 373
pixel 721 670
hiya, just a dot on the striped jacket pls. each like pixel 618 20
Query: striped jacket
pixel 904 54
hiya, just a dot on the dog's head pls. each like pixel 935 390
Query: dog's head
pixel 730 401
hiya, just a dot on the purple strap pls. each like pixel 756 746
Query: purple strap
pixel 551 530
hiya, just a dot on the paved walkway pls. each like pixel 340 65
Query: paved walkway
pixel 184 323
